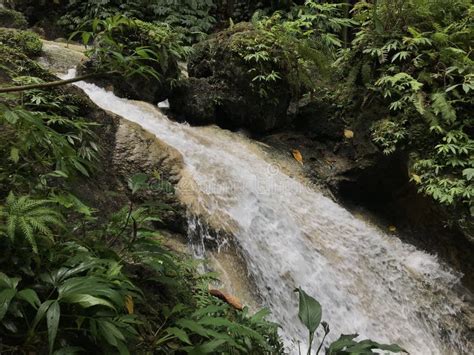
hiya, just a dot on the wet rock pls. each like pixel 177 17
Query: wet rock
pixel 319 118
pixel 137 151
pixel 194 101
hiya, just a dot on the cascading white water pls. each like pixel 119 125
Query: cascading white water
pixel 291 236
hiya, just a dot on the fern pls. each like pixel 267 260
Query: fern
pixel 29 218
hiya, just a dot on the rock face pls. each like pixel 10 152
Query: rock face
pixel 221 88
pixel 137 151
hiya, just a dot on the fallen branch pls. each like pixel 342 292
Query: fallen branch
pixel 50 84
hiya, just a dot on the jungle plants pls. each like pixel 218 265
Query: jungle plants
pixel 414 57
pixel 310 314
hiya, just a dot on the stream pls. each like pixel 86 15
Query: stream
pixel 291 235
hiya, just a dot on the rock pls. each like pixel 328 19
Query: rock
pixel 319 119
pixel 231 97
pixel 193 101
pixel 12 19
pixel 137 151
pixel 61 57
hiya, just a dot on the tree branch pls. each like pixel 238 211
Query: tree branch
pixel 50 84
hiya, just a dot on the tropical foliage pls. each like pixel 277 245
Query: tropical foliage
pixel 415 57
pixel 310 314
pixel 191 19
pixel 78 279
pixel 75 279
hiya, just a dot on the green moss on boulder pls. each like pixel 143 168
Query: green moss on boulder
pixel 25 42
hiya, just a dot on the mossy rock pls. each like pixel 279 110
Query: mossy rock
pixel 25 42
pixel 238 99
pixel 12 19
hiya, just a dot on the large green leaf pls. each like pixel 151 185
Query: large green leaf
pixel 310 311
pixel 180 334
pixel 347 345
pixel 5 298
pixel 52 319
pixel 87 301
pixel 341 343
pixel 8 282
pixel 29 296
pixel 368 345
pixel 206 348
pixel 41 312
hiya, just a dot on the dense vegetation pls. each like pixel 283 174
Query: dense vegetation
pixel 75 278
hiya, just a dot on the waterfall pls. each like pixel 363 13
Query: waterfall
pixel 291 235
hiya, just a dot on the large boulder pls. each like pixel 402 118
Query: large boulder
pixel 223 88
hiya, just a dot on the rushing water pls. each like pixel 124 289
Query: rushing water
pixel 291 236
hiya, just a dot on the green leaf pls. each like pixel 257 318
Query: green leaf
pixel 14 155
pixel 344 341
pixel 10 116
pixel 5 298
pixel 41 312
pixel 8 282
pixel 193 326
pixel 468 173
pixel 110 332
pixel 52 319
pixel 365 345
pixel 87 301
pixel 206 348
pixel 137 182
pixel 180 334
pixel 29 296
pixel 310 311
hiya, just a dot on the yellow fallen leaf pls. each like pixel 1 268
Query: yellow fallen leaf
pixel 416 178
pixel 348 134
pixel 297 155
pixel 392 229
pixel 129 304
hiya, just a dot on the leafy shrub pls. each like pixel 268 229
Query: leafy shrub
pixel 415 57
pixel 297 47
pixel 49 132
pixel 133 47
pixel 12 19
pixel 93 285
pixel 23 41
pixel 192 19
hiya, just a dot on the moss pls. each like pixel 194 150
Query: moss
pixel 12 19
pixel 26 42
